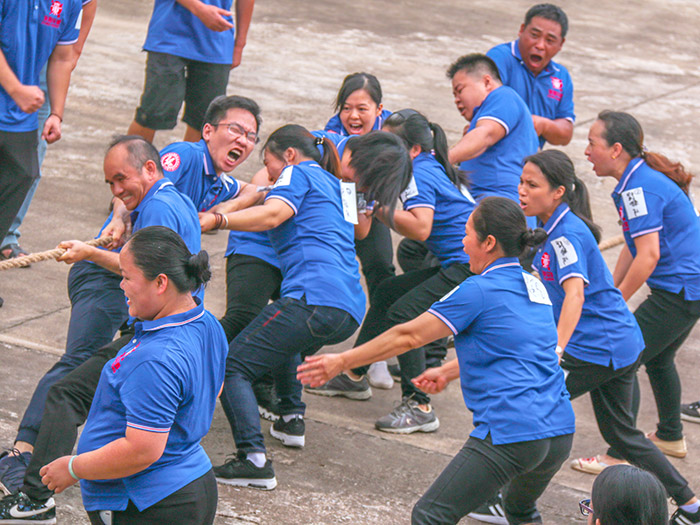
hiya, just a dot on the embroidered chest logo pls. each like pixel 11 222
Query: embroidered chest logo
pixel 170 161
pixel 117 363
pixel 556 91
pixel 557 83
pixel 53 19
pixel 545 260
pixel 546 272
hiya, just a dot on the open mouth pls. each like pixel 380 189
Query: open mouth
pixel 536 60
pixel 355 128
pixel 523 205
pixel 234 155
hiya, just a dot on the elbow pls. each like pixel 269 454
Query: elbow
pixel 422 234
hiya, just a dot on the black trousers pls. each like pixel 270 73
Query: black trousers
pixel 67 407
pixel 480 469
pixel 611 395
pixel 666 319
pixel 19 166
pixel 400 299
pixel 376 254
pixel 193 504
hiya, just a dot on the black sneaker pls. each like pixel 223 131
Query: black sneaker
pixel 691 412
pixel 407 418
pixel 683 517
pixel 20 508
pixel 241 472
pixel 268 402
pixel 13 465
pixel 342 385
pixel 491 511
pixel 290 433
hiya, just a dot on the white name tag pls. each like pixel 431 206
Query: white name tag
pixel 536 290
pixel 635 205
pixel 285 177
pixel 449 293
pixel 410 191
pixel 566 254
pixel 349 199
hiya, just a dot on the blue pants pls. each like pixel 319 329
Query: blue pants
pixel 275 342
pixel 98 309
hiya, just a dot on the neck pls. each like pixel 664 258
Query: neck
pixel 544 217
pixel 179 304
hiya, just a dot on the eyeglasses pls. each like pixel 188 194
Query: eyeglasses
pixel 585 506
pixel 236 130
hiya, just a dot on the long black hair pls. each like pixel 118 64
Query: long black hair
pixel 503 218
pixel 382 165
pixel 558 169
pixel 415 129
pixel 159 250
pixel 354 81
pixel 299 138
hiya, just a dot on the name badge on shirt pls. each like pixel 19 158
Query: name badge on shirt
pixel 635 205
pixel 536 290
pixel 349 199
pixel 285 177
pixel 566 254
pixel 410 191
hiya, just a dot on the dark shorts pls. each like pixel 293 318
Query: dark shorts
pixel 170 80
pixel 19 167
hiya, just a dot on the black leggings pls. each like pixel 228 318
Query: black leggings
pixel 480 469
pixel 666 320
pixel 376 254
pixel 611 394
pixel 194 504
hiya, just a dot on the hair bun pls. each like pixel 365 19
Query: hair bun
pixel 532 237
pixel 198 267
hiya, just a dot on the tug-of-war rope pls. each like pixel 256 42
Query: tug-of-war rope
pixel 26 260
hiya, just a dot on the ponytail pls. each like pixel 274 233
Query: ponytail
pixel 624 129
pixel 299 138
pixel 505 221
pixel 458 177
pixel 558 169
pixel 329 159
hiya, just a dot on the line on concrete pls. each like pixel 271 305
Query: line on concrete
pixel 30 319
pixel 645 101
pixel 31 345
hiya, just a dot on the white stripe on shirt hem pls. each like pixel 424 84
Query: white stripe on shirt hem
pixel 284 200
pixel 148 429
pixel 644 232
pixel 444 320
pixel 570 275
pixel 495 119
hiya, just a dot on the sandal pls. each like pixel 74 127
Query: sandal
pixel 12 251
pixel 590 465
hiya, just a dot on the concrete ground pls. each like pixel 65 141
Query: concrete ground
pixel 636 56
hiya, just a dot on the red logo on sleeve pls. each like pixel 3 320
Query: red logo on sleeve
pixel 170 161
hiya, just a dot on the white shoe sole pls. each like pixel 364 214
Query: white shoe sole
pixel 428 427
pixel 692 419
pixel 287 440
pixel 261 484
pixel 266 414
pixel 361 395
pixel 488 518
pixel 50 521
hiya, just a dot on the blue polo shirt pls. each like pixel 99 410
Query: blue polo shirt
pixel 190 167
pixel 505 338
pixel 431 188
pixel 29 32
pixel 607 333
pixel 176 31
pixel 497 170
pixel 335 125
pixel 166 380
pixel 648 202
pixel 316 246
pixel 549 94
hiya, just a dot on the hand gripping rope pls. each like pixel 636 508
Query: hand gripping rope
pixel 18 262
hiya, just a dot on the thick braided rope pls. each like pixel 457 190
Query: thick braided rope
pixel 611 243
pixel 18 262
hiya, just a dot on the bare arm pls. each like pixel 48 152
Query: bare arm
pixel 434 380
pixel 570 309
pixel 622 265
pixel 211 16
pixel 557 132
pixel 89 11
pixel 247 197
pixel 244 14
pixel 416 223
pixel 484 135
pixel 58 72
pixel 123 457
pixel 318 369
pixel 643 264
pixel 79 251
pixel 255 219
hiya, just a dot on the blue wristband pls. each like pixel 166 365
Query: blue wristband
pixel 70 468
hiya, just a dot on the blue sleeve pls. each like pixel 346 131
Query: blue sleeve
pixel 502 106
pixel 644 211
pixel 151 396
pixel 71 29
pixel 460 307
pixel 176 163
pixel 291 187
pixel 569 258
pixel 424 195
pixel 565 108
pixel 334 124
pixel 230 192
pixel 158 213
pixel 500 55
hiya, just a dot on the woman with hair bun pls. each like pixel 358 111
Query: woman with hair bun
pixel 139 456
pixel 505 339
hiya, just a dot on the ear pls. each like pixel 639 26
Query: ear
pixel 414 151
pixel 616 150
pixel 289 155
pixel 162 282
pixel 150 169
pixel 559 192
pixel 207 130
pixel 380 107
pixel 490 243
pixel 522 28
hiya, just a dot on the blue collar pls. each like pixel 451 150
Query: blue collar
pixel 157 186
pixel 557 216
pixel 209 165
pixel 629 170
pixel 172 320
pixel 501 263
pixel 549 69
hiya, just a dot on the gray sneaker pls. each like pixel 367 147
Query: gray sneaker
pixel 407 418
pixel 342 385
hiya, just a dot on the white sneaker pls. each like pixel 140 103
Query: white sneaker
pixel 379 376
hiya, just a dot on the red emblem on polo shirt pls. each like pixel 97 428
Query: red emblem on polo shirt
pixel 56 8
pixel 557 83
pixel 545 260
pixel 170 161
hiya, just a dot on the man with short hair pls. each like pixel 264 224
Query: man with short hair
pixel 192 46
pixel 500 134
pixel 98 308
pixel 526 65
